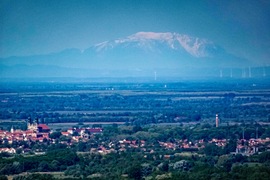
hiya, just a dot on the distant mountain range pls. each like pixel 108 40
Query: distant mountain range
pixel 138 55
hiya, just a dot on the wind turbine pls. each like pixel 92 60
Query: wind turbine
pixel 264 74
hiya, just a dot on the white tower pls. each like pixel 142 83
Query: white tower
pixel 12 129
pixel 217 120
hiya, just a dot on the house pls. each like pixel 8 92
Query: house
pixel 95 130
pixel 70 130
pixel 43 128
pixel 65 133
pixel 8 150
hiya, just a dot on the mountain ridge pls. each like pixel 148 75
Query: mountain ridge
pixel 193 45
pixel 143 51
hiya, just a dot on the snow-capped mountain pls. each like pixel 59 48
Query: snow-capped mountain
pixel 161 50
pixel 139 54
pixel 148 41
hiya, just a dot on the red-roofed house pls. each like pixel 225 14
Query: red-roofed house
pixel 43 128
pixel 8 150
pixel 65 133
pixel 95 130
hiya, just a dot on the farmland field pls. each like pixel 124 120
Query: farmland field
pixel 244 100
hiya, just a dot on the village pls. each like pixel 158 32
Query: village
pixel 41 133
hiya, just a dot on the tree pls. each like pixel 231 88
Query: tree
pixel 196 117
pixel 165 166
pixel 136 129
pixel 43 166
pixel 55 135
pixel 263 157
pixel 19 151
pixel 240 158
pixel 181 165
pixel 16 167
pixel 212 150
pixel 54 166
pixel 74 170
pixel 81 146
pixel 35 177
pixel 146 169
pixel 3 177
pixel 134 172
pixel 225 162
pixel 230 147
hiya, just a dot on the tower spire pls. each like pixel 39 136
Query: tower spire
pixel 12 129
pixel 256 132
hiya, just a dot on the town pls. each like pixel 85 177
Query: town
pixel 131 131
pixel 149 141
pixel 41 133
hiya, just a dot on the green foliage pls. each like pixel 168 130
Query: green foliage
pixel 81 146
pixel 136 129
pixel 43 166
pixel 2 177
pixel 55 135
pixel 5 154
pixel 246 172
pixel 230 146
pixel 196 105
pixel 134 172
pixel 58 146
pixel 240 158
pixel 264 157
pixel 212 150
pixel 196 117
pixel 181 165
pixel 47 162
pixel 180 175
pixel 74 171
pixel 164 166
pixel 35 177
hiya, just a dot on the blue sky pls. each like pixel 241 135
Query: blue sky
pixel 31 27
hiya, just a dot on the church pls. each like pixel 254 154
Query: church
pixel 35 126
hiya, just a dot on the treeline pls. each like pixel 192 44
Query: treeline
pixel 157 107
pixel 57 160
pixel 133 165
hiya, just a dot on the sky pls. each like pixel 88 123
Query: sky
pixel 31 27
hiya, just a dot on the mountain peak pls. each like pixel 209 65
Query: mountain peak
pixel 151 36
pixel 171 53
pixel 196 47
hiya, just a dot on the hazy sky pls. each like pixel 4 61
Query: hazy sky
pixel 32 27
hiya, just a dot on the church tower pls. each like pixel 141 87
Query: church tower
pixel 12 129
pixel 32 125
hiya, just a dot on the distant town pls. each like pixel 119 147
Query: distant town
pixel 41 133
pixel 135 131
